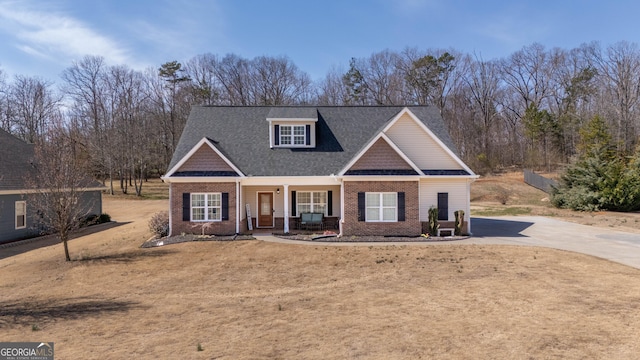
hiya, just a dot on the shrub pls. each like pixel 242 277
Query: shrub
pixel 433 221
pixel 459 222
pixel 159 223
pixel 104 218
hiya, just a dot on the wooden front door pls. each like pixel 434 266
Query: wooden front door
pixel 265 209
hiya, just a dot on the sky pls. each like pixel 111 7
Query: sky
pixel 43 37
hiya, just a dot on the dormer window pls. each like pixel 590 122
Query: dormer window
pixel 292 127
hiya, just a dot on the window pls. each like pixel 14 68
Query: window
pixel 292 135
pixel 381 206
pixel 206 207
pixel 312 201
pixel 21 214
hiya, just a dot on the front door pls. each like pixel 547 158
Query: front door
pixel 265 209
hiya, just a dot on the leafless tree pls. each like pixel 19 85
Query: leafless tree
pixel 619 74
pixel 34 103
pixel 59 182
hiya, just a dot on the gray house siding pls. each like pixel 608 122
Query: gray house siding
pixel 8 231
pixel 91 200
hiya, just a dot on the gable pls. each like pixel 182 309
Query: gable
pixel 419 146
pixel 205 160
pixel 380 156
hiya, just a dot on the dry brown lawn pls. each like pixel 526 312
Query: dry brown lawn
pixel 256 300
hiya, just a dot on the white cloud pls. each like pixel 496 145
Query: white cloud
pixel 55 35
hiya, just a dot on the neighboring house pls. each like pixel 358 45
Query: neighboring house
pixel 18 219
pixel 370 170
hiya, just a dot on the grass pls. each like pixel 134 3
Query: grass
pixel 505 211
pixel 154 189
pixel 257 300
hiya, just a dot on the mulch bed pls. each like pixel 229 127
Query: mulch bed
pixel 328 238
pixel 191 237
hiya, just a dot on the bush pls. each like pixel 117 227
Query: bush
pixel 159 223
pixel 104 218
pixel 433 221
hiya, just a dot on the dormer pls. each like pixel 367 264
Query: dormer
pixel 292 127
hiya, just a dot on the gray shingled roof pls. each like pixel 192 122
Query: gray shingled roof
pixel 242 135
pixel 16 157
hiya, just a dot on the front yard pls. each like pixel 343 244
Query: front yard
pixel 254 300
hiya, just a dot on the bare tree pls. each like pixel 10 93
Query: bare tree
pixel 84 83
pixel 58 182
pixel 34 104
pixel 619 74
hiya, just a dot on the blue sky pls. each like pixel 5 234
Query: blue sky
pixel 43 37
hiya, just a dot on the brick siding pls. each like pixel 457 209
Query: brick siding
pixel 225 227
pixel 410 227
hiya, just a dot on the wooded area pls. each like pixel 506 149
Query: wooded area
pixel 522 110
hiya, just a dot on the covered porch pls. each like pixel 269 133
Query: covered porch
pixel 279 206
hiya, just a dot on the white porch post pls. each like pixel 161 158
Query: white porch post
pixel 238 206
pixel 286 208
pixel 341 220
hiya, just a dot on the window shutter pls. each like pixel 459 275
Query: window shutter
pixel 186 206
pixel 294 206
pixel 443 206
pixel 276 135
pixel 401 216
pixel 329 203
pixel 308 135
pixel 361 207
pixel 225 206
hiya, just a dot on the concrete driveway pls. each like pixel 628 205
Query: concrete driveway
pixel 621 247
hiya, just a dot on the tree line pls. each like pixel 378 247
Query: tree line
pixel 526 109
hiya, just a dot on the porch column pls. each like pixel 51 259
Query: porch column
pixel 238 206
pixel 286 208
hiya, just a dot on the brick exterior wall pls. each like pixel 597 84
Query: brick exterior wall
pixel 410 227
pixel 225 227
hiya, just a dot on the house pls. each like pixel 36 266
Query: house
pixel 18 218
pixel 370 170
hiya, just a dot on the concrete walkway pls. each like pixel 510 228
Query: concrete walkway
pixel 618 246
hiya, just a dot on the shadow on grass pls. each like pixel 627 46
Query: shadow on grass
pixel 23 246
pixel 487 227
pixel 42 312
pixel 125 257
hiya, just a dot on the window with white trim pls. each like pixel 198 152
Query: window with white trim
pixel 292 135
pixel 381 207
pixel 312 201
pixel 21 214
pixel 206 206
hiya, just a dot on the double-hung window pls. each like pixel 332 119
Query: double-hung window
pixel 381 206
pixel 312 201
pixel 21 214
pixel 206 207
pixel 292 135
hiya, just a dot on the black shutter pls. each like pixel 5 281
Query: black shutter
pixel 329 203
pixel 308 135
pixel 276 134
pixel 294 206
pixel 225 206
pixel 443 206
pixel 401 216
pixel 361 207
pixel 186 206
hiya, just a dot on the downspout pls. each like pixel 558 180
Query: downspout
pixel 286 208
pixel 238 202
pixel 170 208
pixel 341 221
